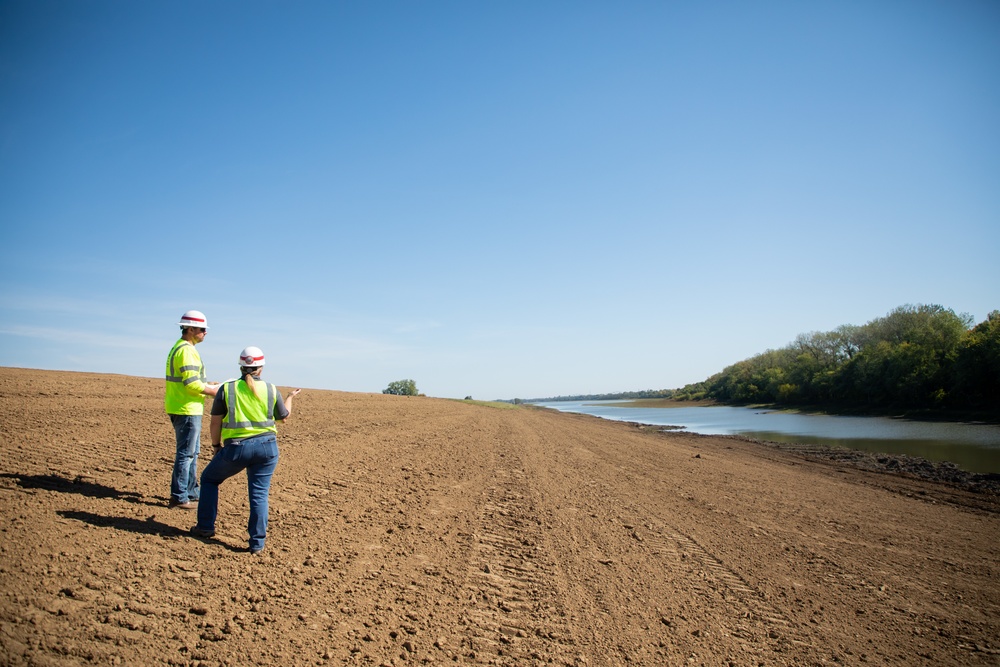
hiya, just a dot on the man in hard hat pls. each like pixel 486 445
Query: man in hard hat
pixel 184 401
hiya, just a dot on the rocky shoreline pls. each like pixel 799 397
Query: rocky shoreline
pixel 943 472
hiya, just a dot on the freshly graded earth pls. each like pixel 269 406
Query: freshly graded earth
pixel 413 531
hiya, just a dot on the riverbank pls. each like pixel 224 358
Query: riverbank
pixel 961 453
pixel 962 416
pixel 411 530
pixel 914 467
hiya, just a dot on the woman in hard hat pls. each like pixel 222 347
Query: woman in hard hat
pixel 244 437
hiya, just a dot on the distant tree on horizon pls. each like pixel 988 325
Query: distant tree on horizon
pixel 401 388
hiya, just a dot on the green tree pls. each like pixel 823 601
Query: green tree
pixel 906 359
pixel 977 366
pixel 401 388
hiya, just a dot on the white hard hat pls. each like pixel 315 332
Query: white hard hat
pixel 252 357
pixel 194 318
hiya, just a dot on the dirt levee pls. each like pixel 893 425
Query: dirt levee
pixel 426 531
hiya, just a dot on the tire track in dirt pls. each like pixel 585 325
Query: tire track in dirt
pixel 742 610
pixel 660 557
pixel 671 544
pixel 514 615
pixel 741 607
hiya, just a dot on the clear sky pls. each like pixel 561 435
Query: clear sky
pixel 495 199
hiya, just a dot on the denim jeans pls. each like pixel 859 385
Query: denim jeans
pixel 184 480
pixel 259 457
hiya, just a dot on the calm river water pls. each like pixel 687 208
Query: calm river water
pixel 972 447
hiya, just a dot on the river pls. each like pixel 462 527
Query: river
pixel 972 447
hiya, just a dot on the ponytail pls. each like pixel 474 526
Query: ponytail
pixel 248 377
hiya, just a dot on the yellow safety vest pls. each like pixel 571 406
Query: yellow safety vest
pixel 185 380
pixel 248 412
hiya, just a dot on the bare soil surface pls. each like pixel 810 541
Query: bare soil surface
pixel 413 531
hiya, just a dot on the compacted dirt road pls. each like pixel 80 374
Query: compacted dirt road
pixel 411 531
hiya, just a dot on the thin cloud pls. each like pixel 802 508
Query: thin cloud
pixel 419 326
pixel 87 337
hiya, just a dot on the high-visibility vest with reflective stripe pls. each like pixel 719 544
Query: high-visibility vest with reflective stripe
pixel 185 380
pixel 248 412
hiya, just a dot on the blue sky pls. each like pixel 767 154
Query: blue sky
pixel 495 199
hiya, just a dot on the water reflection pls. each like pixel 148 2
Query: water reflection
pixel 973 447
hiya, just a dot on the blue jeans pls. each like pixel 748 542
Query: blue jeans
pixel 184 480
pixel 259 457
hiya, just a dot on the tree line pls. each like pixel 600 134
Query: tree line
pixel 922 357
pixel 916 358
pixel 645 393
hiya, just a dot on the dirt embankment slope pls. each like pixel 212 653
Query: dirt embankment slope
pixel 423 531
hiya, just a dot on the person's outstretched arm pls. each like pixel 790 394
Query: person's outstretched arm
pixel 288 401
